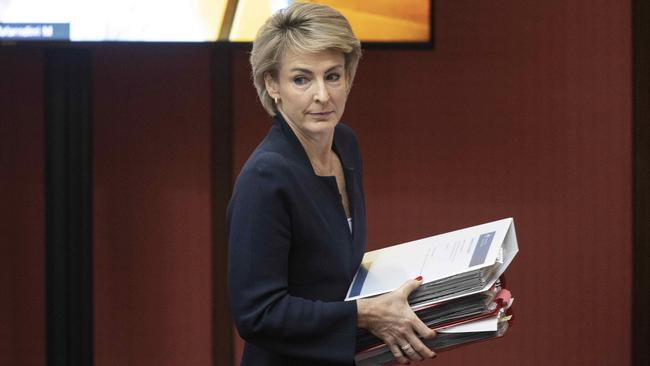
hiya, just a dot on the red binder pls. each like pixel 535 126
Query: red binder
pixel 501 307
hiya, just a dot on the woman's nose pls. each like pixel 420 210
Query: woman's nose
pixel 322 95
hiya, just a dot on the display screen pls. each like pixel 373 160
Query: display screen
pixel 390 21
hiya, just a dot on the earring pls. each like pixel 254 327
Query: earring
pixel 275 99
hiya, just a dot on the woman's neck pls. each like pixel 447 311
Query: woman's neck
pixel 318 148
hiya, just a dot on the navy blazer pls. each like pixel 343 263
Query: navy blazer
pixel 291 256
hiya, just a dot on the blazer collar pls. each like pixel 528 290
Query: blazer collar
pixel 299 150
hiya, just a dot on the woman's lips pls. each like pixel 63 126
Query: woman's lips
pixel 321 114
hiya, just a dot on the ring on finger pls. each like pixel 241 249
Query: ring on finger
pixel 405 347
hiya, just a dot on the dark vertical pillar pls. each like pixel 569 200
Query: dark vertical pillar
pixel 68 188
pixel 222 156
pixel 641 182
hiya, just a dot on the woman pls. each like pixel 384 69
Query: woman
pixel 297 218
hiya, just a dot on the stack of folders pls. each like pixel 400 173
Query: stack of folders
pixel 461 297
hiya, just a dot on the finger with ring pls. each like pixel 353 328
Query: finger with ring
pixel 406 347
pixel 397 353
pixel 409 351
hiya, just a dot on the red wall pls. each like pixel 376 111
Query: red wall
pixel 152 230
pixel 22 193
pixel 523 110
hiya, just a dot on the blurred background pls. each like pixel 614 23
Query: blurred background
pixel 522 109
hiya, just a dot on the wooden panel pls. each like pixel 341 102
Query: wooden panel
pixel 522 110
pixel 153 287
pixel 22 266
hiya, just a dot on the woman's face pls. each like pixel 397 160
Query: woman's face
pixel 311 90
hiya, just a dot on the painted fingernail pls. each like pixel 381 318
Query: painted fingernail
pixel 418 278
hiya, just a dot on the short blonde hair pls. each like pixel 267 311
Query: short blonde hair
pixel 301 28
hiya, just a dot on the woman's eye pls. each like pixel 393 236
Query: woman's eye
pixel 300 80
pixel 333 77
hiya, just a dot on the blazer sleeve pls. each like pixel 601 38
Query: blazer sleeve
pixel 259 223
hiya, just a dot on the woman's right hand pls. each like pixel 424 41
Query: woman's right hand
pixel 390 318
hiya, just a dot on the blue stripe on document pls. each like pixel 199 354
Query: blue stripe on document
pixel 481 250
pixel 357 285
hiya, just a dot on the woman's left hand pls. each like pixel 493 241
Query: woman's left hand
pixel 391 319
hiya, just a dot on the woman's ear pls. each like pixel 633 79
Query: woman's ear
pixel 271 85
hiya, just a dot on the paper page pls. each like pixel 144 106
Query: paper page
pixel 490 324
pixel 433 258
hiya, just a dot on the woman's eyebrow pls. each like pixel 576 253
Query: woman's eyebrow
pixel 300 69
pixel 307 71
pixel 334 67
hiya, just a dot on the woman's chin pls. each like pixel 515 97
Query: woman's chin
pixel 322 126
pixel 328 118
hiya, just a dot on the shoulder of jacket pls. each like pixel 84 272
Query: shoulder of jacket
pixel 266 162
pixel 345 130
pixel 346 134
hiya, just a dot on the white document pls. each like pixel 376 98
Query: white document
pixel 490 324
pixel 437 257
